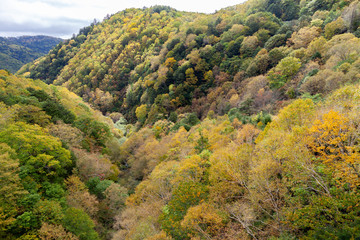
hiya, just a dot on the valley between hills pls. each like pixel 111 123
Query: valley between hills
pixel 161 124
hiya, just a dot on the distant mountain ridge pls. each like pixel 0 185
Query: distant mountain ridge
pixel 17 51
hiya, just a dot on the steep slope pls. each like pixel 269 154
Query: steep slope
pixel 110 53
pixel 57 159
pixel 17 51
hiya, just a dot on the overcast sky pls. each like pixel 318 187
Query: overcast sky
pixel 62 18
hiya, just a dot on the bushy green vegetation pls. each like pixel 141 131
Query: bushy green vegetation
pixel 50 144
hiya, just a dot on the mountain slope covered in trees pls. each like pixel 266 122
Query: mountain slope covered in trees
pixel 17 51
pixel 162 60
pixel 243 124
pixel 57 158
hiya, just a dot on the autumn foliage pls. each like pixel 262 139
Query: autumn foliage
pixel 242 124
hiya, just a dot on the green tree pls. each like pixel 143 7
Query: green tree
pixel 263 20
pixel 141 113
pixel 11 189
pixel 284 71
pixel 97 133
pixel 98 187
pixel 49 212
pixel 41 156
pixel 202 143
pixel 187 194
pixel 80 224
pixel 57 111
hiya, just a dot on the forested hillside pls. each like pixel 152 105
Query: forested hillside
pixel 242 124
pixel 57 164
pixel 159 60
pixel 17 51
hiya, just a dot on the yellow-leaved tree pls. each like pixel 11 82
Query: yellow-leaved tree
pixel 334 140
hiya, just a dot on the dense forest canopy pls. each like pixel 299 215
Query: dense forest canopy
pixel 242 124
pixel 171 61
pixel 51 143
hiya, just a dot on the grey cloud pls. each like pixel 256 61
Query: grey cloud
pixel 58 27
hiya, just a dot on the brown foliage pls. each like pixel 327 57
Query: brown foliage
pixel 304 36
pixel 323 82
pixel 94 165
pixel 70 135
pixel 79 197
pixel 55 232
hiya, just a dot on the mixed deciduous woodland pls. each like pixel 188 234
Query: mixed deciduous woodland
pixel 242 124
